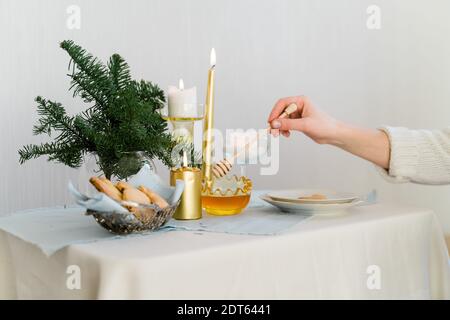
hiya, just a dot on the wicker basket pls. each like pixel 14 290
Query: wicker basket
pixel 145 218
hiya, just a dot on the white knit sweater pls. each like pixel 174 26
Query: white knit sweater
pixel 419 156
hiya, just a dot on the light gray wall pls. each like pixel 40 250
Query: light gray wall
pixel 397 75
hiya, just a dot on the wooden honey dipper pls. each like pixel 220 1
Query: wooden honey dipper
pixel 221 168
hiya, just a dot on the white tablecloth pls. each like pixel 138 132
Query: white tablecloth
pixel 401 249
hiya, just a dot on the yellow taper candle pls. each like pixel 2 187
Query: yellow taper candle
pixel 208 140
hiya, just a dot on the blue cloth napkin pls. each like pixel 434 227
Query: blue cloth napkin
pixel 52 229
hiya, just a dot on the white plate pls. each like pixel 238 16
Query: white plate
pixel 331 196
pixel 310 208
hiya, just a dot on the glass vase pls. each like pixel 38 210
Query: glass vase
pixel 125 167
pixel 130 163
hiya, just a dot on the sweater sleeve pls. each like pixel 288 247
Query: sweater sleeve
pixel 419 156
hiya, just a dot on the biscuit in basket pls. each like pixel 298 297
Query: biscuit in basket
pixel 133 194
pixel 154 197
pixel 122 185
pixel 105 188
pixel 107 181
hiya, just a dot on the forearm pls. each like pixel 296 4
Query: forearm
pixel 420 156
pixel 369 144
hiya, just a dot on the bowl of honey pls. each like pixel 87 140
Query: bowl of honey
pixel 226 196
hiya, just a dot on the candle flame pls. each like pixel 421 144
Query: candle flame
pixel 212 57
pixel 181 84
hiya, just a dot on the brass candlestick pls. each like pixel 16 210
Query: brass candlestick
pixel 190 207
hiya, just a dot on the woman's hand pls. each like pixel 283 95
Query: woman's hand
pixel 316 124
pixel 372 145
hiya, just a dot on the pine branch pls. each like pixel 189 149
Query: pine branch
pixel 119 72
pixel 33 151
pixel 122 117
pixel 53 117
pixel 68 154
pixel 89 76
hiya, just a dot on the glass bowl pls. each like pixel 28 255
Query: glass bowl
pixel 226 196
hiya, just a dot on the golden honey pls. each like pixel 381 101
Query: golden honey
pixel 225 205
pixel 226 196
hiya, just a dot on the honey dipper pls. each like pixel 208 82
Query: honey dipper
pixel 221 168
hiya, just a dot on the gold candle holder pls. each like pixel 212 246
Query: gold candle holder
pixel 190 207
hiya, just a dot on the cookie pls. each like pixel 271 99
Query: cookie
pixel 132 194
pixel 122 185
pixel 131 206
pixel 154 197
pixel 107 181
pixel 105 188
pixel 316 196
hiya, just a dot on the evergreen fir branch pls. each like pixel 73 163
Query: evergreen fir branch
pixel 89 76
pixel 34 151
pixel 122 117
pixel 68 154
pixel 53 117
pixel 119 72
pixel 151 93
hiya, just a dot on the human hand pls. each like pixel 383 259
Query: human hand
pixel 370 144
pixel 314 123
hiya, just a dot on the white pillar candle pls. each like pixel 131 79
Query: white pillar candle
pixel 182 102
